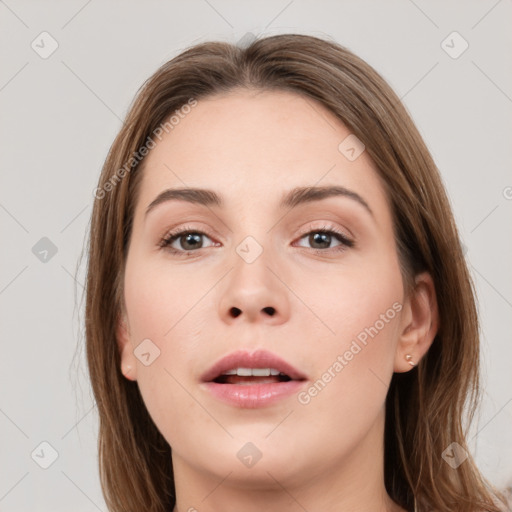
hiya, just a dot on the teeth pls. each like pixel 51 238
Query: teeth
pixel 253 372
pixel 261 372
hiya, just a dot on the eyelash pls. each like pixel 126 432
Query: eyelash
pixel 166 242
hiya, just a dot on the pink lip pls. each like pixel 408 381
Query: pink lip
pixel 253 395
pixel 257 359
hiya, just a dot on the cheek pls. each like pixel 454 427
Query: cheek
pixel 353 299
pixel 170 307
pixel 160 298
pixel 359 308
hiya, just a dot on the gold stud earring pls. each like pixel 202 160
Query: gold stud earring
pixel 408 358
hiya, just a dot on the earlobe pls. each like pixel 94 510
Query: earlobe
pixel 420 324
pixel 128 363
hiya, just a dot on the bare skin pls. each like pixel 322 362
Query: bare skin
pixel 324 452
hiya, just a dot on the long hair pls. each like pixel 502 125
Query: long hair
pixel 426 408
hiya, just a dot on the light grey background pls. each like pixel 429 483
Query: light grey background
pixel 60 115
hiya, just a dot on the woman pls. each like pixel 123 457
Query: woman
pixel 279 315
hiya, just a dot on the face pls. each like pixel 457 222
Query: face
pixel 314 282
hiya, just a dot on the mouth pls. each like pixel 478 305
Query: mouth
pixel 251 376
pixel 252 379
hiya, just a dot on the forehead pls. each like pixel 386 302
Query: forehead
pixel 257 144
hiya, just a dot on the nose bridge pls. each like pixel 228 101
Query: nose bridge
pixel 252 291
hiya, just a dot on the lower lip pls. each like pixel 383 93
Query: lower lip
pixel 252 396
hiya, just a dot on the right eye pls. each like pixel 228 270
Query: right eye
pixel 189 241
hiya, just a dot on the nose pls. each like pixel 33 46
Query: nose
pixel 255 292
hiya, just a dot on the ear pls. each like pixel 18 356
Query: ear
pixel 128 360
pixel 418 325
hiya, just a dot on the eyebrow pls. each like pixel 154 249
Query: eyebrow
pixel 295 197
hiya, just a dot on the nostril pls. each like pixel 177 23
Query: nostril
pixel 235 312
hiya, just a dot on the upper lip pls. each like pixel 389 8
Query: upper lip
pixel 256 359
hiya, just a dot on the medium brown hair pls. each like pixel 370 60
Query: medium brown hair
pixel 425 406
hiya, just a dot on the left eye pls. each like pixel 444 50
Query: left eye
pixel 323 238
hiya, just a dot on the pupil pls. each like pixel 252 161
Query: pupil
pixel 191 237
pixel 322 238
